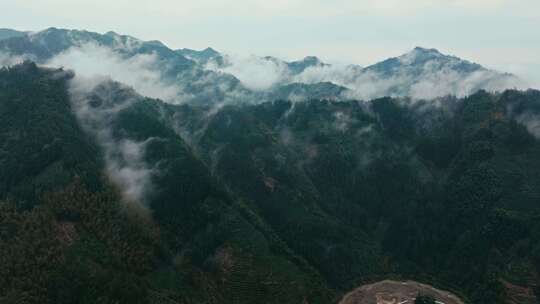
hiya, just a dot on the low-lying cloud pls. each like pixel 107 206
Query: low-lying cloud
pixel 254 72
pixel 440 76
pixel 140 71
pixel 7 59
pixel 428 81
pixel 126 167
pixel 124 158
pixel 531 121
pixel 155 76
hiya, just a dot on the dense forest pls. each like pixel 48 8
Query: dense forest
pixel 273 202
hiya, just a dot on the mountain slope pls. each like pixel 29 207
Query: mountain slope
pixel 182 79
pixel 202 57
pixel 43 146
pixel 392 187
pixel 428 73
pixel 8 33
pixel 274 202
pixel 94 236
pixel 421 74
pixel 302 92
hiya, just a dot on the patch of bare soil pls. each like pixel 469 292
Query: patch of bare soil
pixel 519 294
pixel 395 292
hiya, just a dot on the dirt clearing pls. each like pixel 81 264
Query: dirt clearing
pixel 395 292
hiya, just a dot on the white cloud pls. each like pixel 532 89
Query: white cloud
pixel 439 76
pixel 124 158
pixel 531 122
pixel 254 72
pixel 7 59
pixel 131 174
pixel 338 73
pixel 433 81
pixel 140 72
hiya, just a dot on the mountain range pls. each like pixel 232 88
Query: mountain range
pixel 200 76
pixel 134 173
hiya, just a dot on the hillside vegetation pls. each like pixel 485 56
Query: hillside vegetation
pixel 276 202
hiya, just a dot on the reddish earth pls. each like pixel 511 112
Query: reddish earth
pixel 394 292
pixel 518 294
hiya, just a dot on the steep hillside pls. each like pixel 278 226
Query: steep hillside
pixel 8 33
pixel 93 239
pixel 444 191
pixel 109 196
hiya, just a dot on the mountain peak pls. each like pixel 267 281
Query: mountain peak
pixel 426 50
pixel 312 60
pixel 299 66
pixel 48 31
pixel 112 33
pixel 51 29
pixel 210 51
pixel 422 52
pixel 420 55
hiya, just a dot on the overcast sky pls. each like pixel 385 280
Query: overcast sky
pixel 500 34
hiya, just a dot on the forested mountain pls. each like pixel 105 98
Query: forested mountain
pixel 67 213
pixel 207 76
pixel 8 33
pixel 184 78
pixel 421 74
pixel 202 57
pixel 112 197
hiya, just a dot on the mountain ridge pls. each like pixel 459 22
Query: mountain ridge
pixel 201 76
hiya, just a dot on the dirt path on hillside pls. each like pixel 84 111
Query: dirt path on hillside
pixel 394 292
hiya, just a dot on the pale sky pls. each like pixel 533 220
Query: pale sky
pixel 500 34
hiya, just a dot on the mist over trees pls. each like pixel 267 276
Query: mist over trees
pixel 274 202
pixel 134 173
